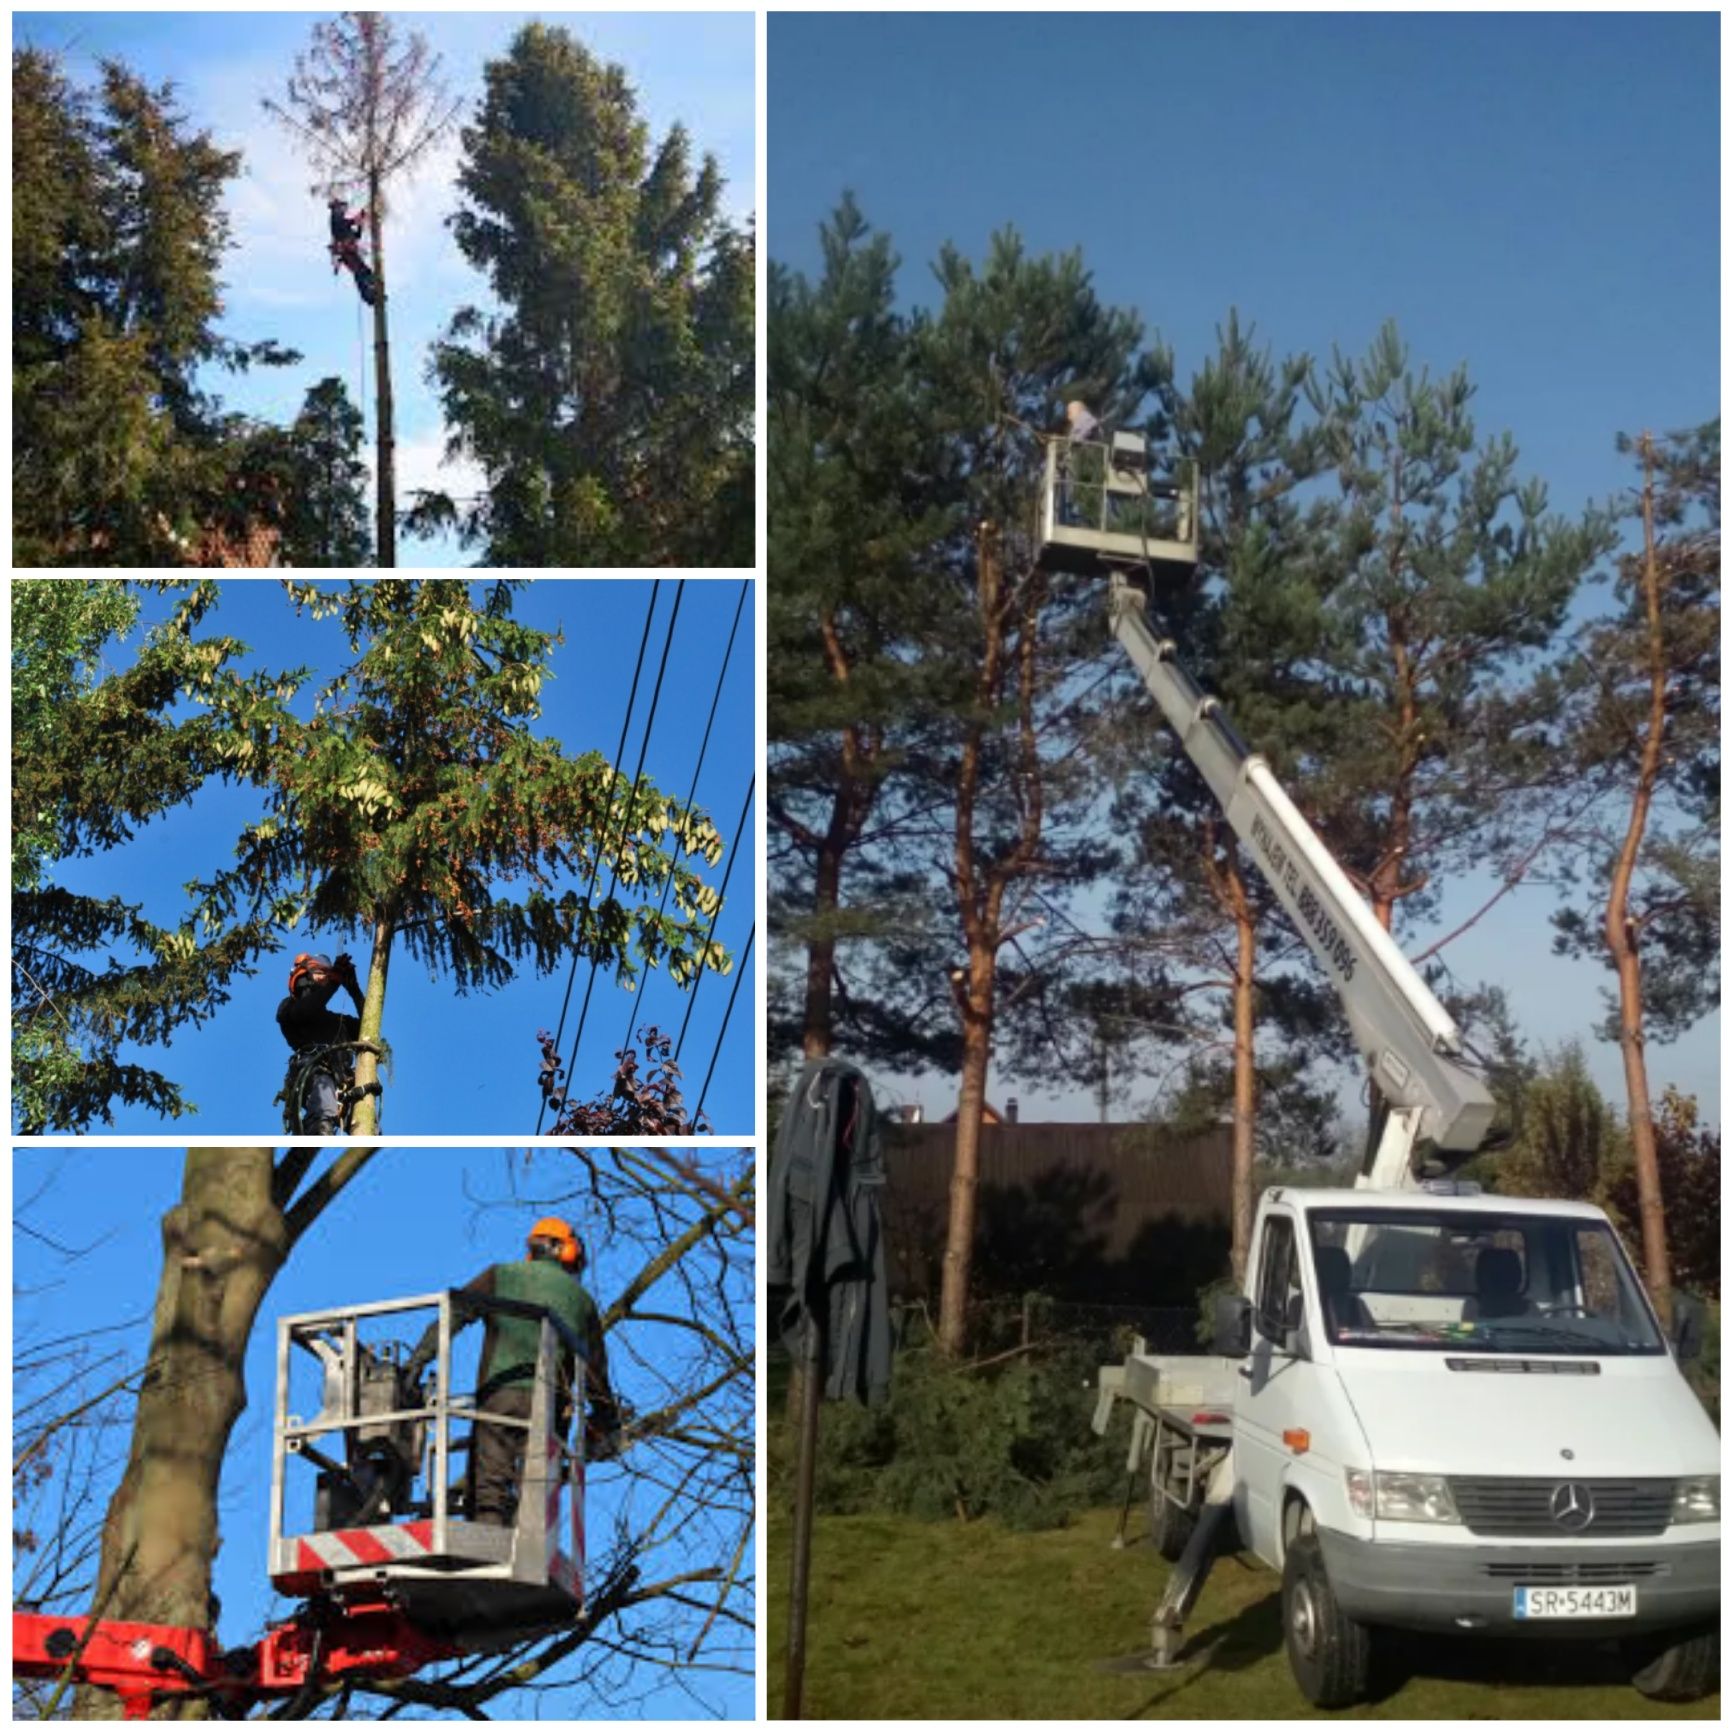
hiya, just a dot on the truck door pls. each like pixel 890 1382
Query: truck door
pixel 1270 1399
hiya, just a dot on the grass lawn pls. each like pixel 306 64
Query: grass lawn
pixel 916 1620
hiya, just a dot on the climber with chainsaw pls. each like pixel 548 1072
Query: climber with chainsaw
pixel 346 233
pixel 550 1276
pixel 322 1041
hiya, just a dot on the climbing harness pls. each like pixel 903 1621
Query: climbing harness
pixel 348 253
pixel 336 1060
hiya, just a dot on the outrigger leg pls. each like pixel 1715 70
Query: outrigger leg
pixel 1192 1570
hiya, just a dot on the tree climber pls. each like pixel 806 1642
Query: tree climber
pixel 346 236
pixel 322 1040
pixel 549 1276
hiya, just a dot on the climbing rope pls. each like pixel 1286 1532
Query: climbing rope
pixel 337 1061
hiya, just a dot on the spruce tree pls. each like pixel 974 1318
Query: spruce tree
pixel 121 454
pixel 415 811
pixel 608 395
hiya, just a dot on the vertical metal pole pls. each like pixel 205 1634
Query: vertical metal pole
pixel 811 1395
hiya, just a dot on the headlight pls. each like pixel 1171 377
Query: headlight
pixel 1697 1499
pixel 1402 1497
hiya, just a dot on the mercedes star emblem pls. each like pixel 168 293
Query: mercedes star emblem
pixel 1572 1506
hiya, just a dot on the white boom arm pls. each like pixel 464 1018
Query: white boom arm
pixel 1407 1037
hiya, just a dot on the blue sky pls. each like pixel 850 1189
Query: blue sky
pixel 467 1065
pixel 692 67
pixel 415 1220
pixel 1534 195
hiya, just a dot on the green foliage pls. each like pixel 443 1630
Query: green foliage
pixel 325 482
pixel 1570 1140
pixel 1010 1440
pixel 96 756
pixel 415 795
pixel 1447 578
pixel 120 455
pixel 609 401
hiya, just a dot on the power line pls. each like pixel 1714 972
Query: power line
pixel 635 1011
pixel 625 822
pixel 595 870
pixel 721 902
pixel 722 1033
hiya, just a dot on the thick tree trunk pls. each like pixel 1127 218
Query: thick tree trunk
pixel 965 1172
pixel 1621 930
pixel 372 1021
pixel 386 514
pixel 1244 1084
pixel 222 1243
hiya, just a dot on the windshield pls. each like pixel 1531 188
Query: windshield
pixel 1492 1283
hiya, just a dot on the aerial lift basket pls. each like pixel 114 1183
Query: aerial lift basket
pixel 385 1520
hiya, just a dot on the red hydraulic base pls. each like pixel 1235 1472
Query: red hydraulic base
pixel 144 1663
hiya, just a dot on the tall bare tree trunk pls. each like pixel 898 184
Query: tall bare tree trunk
pixel 1621 932
pixel 815 1030
pixel 222 1245
pixel 386 514
pixel 372 1022
pixel 975 1001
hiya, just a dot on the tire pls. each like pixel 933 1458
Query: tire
pixel 1675 1667
pixel 1170 1528
pixel 1329 1652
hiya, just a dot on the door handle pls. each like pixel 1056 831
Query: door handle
pixel 1245 1372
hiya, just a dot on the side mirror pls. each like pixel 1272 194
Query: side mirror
pixel 1689 1316
pixel 1230 1327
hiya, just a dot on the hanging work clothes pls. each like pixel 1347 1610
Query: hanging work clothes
pixel 826 1256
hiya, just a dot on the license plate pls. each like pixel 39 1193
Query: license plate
pixel 1608 1602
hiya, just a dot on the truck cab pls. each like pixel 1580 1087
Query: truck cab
pixel 1458 1412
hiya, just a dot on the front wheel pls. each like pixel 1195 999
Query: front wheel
pixel 1675 1667
pixel 1329 1652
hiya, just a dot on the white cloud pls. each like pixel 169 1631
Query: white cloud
pixel 421 462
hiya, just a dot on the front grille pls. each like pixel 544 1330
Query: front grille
pixel 1579 1573
pixel 1621 1508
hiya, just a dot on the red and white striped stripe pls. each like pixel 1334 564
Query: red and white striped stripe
pixel 346 1548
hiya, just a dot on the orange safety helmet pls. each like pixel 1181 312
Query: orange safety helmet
pixel 307 965
pixel 570 1251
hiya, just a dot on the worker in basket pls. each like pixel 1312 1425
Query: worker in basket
pixel 323 1042
pixel 549 1276
pixel 346 232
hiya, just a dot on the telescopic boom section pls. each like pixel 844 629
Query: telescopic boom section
pixel 1408 1039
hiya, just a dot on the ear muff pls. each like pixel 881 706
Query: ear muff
pixel 306 965
pixel 568 1248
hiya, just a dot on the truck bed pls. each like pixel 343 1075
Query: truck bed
pixel 1193 1391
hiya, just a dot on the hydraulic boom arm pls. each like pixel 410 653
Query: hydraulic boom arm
pixel 1407 1037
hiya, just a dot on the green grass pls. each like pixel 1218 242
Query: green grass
pixel 917 1620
